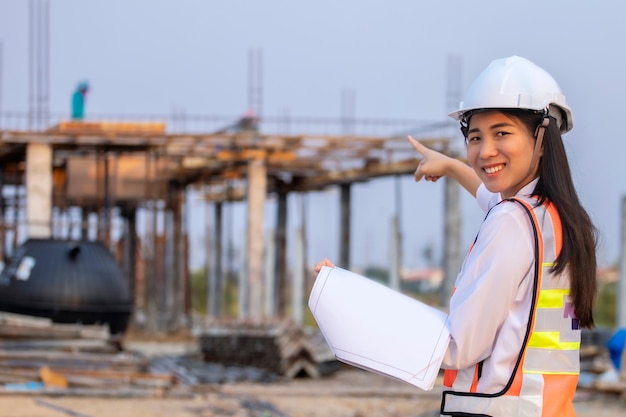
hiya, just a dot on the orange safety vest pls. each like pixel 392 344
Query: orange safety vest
pixel 545 376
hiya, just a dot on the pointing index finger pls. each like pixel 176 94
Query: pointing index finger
pixel 418 146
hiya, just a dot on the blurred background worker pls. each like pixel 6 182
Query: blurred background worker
pixel 78 100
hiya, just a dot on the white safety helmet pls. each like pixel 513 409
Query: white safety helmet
pixel 516 83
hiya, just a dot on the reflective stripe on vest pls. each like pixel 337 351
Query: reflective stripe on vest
pixel 545 376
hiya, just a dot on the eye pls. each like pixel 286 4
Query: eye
pixel 502 133
pixel 472 138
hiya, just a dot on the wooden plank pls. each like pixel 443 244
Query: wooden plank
pixel 57 376
pixel 13 375
pixel 36 356
pixel 14 319
pixel 118 392
pixel 252 154
pixel 95 378
pixel 226 155
pixel 56 331
pixel 67 345
pixel 87 127
pixel 282 156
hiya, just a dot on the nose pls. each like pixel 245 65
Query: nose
pixel 488 148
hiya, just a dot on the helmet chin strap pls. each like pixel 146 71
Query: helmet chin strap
pixel 539 132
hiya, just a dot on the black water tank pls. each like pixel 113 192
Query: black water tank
pixel 67 281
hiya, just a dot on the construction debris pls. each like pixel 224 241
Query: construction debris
pixel 278 345
pixel 18 327
pixel 39 357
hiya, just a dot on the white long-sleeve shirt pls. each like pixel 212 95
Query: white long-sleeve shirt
pixel 491 303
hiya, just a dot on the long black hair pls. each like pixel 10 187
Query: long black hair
pixel 555 185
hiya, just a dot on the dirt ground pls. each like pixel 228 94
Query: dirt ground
pixel 347 393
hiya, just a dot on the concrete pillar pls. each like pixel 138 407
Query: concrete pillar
pixel 394 254
pixel 344 239
pixel 84 224
pixel 130 248
pixel 452 257
pixel 150 282
pixel 160 264
pixel 170 287
pixel 214 264
pixel 281 289
pixel 244 290
pixel 104 225
pixel 39 190
pixel 270 276
pixel 18 204
pixel 297 288
pixel 257 189
pixel 179 261
pixel 395 257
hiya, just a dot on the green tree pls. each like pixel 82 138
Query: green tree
pixel 605 310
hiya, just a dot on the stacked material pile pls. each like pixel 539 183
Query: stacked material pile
pixel 38 356
pixel 277 345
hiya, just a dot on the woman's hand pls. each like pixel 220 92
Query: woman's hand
pixel 433 165
pixel 325 262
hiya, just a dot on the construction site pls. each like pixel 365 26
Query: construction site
pixel 70 186
pixel 98 302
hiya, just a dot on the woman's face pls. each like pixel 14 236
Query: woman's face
pixel 500 149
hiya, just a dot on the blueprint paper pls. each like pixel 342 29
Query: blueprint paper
pixel 373 327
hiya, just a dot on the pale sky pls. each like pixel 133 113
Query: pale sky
pixel 153 57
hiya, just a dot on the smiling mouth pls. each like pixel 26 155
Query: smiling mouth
pixel 493 170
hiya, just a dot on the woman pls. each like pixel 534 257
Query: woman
pixel 528 283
